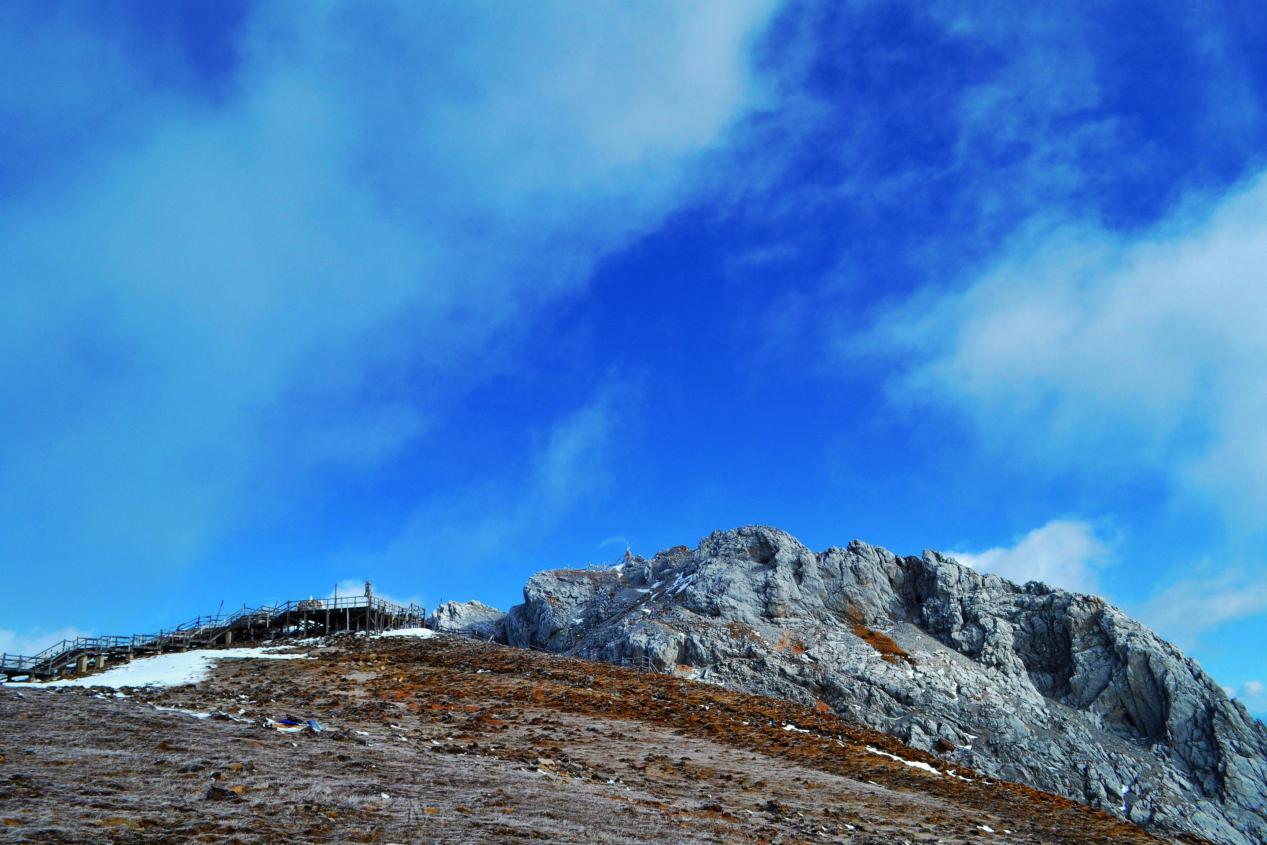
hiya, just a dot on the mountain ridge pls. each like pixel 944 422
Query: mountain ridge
pixel 1058 690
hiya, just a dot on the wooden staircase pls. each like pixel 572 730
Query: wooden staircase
pixel 303 618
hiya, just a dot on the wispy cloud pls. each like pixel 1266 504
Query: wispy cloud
pixel 35 640
pixel 1189 607
pixel 528 500
pixel 936 132
pixel 1253 694
pixel 1090 354
pixel 1136 351
pixel 208 298
pixel 1063 553
pixel 1072 554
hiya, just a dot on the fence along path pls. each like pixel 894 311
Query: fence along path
pixel 306 617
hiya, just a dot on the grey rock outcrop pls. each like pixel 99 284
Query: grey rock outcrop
pixel 1027 683
pixel 471 618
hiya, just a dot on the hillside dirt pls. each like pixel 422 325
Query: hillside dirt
pixel 453 740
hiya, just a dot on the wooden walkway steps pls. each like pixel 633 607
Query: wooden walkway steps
pixel 303 618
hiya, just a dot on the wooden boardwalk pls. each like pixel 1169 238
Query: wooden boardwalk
pixel 303 618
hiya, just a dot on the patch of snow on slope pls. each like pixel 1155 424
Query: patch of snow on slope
pixel 166 670
pixel 914 764
pixel 419 633
pixel 681 582
pixel 197 714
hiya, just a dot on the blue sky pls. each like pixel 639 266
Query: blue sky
pixel 442 294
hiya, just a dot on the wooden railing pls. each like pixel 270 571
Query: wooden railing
pixel 246 624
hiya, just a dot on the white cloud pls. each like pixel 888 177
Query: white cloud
pixel 1070 554
pixel 34 641
pixel 1063 553
pixel 1085 350
pixel 1190 606
pixel 221 296
pixel 1253 694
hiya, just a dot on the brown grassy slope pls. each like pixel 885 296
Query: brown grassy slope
pixel 473 742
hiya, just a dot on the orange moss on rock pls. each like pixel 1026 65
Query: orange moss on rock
pixel 789 643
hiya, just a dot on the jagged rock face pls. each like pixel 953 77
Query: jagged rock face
pixel 472 618
pixel 1027 683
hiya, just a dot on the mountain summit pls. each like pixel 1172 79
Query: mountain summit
pixel 1057 690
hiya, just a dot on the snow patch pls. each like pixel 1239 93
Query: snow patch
pixel 165 670
pixel 418 633
pixel 914 764
pixel 681 582
pixel 197 714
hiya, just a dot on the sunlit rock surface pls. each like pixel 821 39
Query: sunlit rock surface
pixel 1028 683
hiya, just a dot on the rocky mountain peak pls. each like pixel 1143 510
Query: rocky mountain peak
pixel 1029 683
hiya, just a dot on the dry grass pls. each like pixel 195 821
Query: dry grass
pixel 740 631
pixel 453 740
pixel 790 644
pixel 889 651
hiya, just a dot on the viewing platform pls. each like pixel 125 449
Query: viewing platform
pixel 303 618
